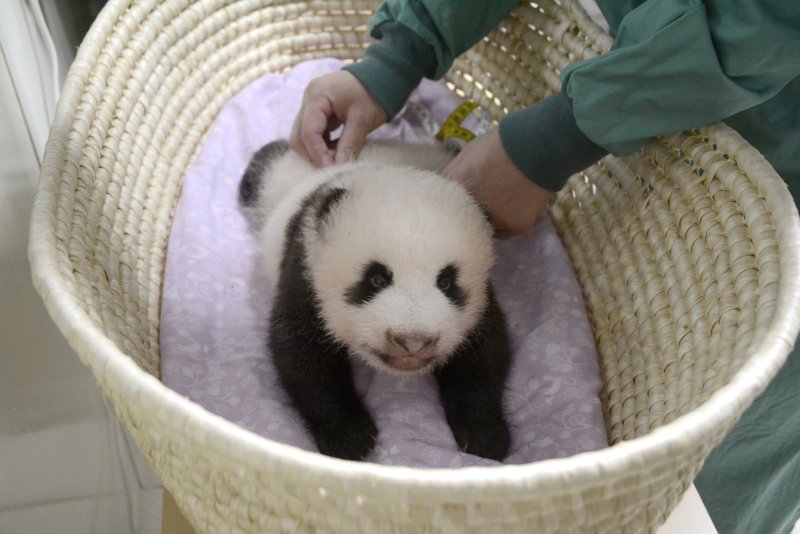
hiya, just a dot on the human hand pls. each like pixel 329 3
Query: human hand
pixel 513 201
pixel 330 101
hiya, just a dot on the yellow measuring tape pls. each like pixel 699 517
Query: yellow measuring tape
pixel 451 127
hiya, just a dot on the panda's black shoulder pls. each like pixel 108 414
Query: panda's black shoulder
pixel 295 299
pixel 491 330
pixel 296 303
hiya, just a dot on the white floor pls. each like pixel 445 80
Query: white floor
pixel 65 464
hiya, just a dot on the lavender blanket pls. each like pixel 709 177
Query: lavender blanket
pixel 215 308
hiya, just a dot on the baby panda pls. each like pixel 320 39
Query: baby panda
pixel 385 261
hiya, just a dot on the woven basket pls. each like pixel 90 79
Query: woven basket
pixel 687 253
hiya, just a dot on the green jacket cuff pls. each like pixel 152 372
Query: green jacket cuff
pixel 545 143
pixel 393 67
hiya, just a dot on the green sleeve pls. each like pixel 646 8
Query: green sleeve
pixel 450 28
pixel 678 64
pixel 421 38
pixel 393 67
pixel 749 482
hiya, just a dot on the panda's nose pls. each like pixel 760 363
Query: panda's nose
pixel 412 343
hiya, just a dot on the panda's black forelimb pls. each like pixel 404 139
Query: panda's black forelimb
pixel 313 370
pixel 471 387
pixel 317 378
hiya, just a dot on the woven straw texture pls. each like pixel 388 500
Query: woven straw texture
pixel 687 253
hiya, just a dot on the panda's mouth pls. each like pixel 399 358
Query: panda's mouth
pixel 404 362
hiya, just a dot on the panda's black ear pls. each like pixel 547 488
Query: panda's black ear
pixel 329 200
pixel 259 164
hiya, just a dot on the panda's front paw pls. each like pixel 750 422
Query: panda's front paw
pixel 490 440
pixel 349 438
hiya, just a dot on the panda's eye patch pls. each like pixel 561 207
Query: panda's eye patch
pixel 375 277
pixel 444 282
pixel 447 283
pixel 378 281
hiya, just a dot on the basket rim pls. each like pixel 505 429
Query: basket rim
pixel 106 360
pixel 110 364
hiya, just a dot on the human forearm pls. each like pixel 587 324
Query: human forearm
pixel 545 143
pixel 421 39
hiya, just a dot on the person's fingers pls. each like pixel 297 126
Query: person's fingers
pixel 447 172
pixel 459 172
pixel 352 139
pixel 451 170
pixel 295 139
pixel 314 134
pixel 309 130
pixel 330 101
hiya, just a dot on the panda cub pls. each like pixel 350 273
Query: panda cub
pixel 385 261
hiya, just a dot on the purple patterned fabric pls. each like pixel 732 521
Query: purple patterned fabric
pixel 216 304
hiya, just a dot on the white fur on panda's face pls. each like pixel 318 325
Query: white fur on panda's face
pixel 400 265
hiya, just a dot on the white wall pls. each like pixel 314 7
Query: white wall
pixel 66 465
